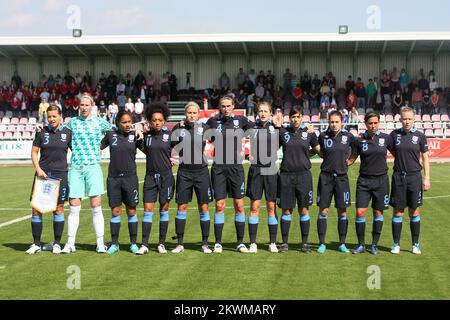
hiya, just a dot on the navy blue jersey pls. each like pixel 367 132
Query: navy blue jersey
pixel 192 135
pixel 336 150
pixel 224 125
pixel 53 146
pixel 373 153
pixel 122 150
pixel 157 148
pixel 296 148
pixel 262 135
pixel 407 147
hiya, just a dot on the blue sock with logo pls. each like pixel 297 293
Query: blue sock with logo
pixel 115 229
pixel 147 222
pixel 205 225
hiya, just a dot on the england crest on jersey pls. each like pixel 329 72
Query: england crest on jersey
pixel 381 142
pixel 165 137
pixel 304 135
pixel 131 138
pixel 271 129
pixel 63 137
pixel 415 139
pixel 200 130
pixel 236 123
pixel 344 139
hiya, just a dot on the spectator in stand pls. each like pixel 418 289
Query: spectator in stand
pixel 426 102
pixel 43 106
pixel 395 80
pixel 431 76
pixel 150 80
pixel 353 118
pixel 111 85
pixel 416 101
pixel 325 100
pixel 270 80
pixel 87 78
pixel 173 87
pixel 102 111
pixel 407 95
pixel 129 105
pixel 433 85
pixel 385 83
pixel 371 94
pixel 397 102
pixel 78 79
pixel 103 81
pixel 261 78
pixel 351 100
pixel 423 84
pixel 316 81
pixel 68 78
pixel 241 100
pixel 331 80
pixel 252 77
pixel 138 80
pixel 349 84
pixel 120 87
pixel 435 102
pixel 323 115
pixel 121 100
pixel 143 91
pixel 287 79
pixel 224 81
pixel 325 88
pixel 240 78
pixel 45 94
pixel 74 89
pixel 259 90
pixel 404 79
pixel 251 104
pixel 248 86
pixel 298 95
pixel 138 111
pixel 113 109
pixel 360 94
pixel 268 96
pixel 314 97
pixel 16 80
pixel 278 96
pixel 379 101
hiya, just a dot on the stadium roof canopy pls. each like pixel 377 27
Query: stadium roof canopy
pixel 380 43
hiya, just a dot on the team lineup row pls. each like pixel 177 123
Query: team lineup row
pixel 288 189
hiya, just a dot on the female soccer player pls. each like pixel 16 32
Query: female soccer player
pixel 52 143
pixel 373 182
pixel 159 180
pixel 259 181
pixel 85 174
pixel 227 172
pixel 409 146
pixel 295 179
pixel 336 145
pixel 122 183
pixel 192 174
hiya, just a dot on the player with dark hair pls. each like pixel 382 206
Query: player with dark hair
pixel 52 144
pixel 192 175
pixel 227 172
pixel 122 182
pixel 373 182
pixel 295 179
pixel 409 147
pixel 261 135
pixel 336 146
pixel 159 181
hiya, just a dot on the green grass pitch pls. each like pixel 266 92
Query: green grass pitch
pixel 194 275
